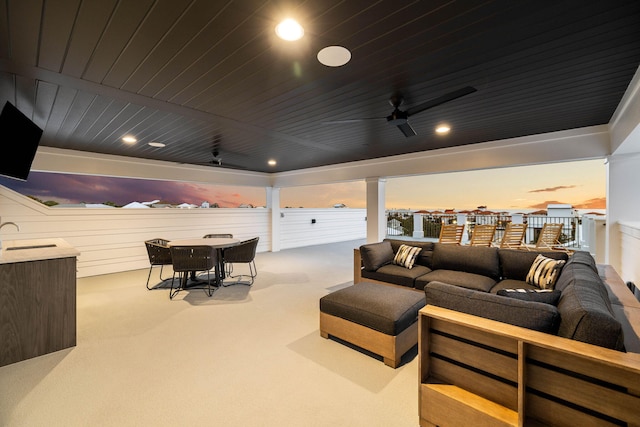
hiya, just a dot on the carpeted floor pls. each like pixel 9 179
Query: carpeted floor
pixel 243 357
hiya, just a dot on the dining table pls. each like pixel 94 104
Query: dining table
pixel 219 243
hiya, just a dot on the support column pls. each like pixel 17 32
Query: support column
pixel 418 229
pixel 273 203
pixel 376 218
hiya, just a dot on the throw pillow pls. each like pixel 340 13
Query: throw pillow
pixel 544 272
pixel 406 255
pixel 547 296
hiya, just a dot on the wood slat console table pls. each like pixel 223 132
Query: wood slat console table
pixel 476 371
pixel 37 298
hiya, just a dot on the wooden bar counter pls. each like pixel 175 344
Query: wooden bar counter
pixel 37 298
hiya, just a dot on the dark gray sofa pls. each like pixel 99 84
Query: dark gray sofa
pixel 468 279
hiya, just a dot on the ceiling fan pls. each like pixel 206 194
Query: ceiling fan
pixel 400 118
pixel 216 159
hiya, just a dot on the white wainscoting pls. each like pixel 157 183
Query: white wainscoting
pixel 630 242
pixel 331 225
pixel 112 240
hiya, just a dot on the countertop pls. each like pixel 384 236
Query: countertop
pixel 35 250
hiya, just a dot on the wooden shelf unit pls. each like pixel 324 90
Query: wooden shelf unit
pixel 476 371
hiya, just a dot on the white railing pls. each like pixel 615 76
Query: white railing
pixel 403 224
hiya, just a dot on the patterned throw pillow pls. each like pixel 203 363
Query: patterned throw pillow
pixel 544 272
pixel 547 296
pixel 406 255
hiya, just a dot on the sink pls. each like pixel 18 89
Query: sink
pixel 17 248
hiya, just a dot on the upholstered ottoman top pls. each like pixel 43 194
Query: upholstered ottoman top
pixel 384 308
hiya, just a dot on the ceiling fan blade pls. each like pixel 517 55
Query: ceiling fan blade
pixel 441 100
pixel 333 122
pixel 406 129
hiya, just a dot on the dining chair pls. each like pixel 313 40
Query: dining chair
pixel 218 235
pixel 159 254
pixel 451 234
pixel 188 259
pixel 513 237
pixel 483 235
pixel 245 253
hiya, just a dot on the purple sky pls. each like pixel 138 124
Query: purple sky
pixel 64 188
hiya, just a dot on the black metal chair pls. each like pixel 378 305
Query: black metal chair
pixel 188 259
pixel 245 253
pixel 219 235
pixel 159 254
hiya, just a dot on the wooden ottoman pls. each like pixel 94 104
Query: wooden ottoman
pixel 375 317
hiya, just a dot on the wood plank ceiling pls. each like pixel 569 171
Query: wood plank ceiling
pixel 194 73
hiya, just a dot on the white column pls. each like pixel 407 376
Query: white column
pixel 418 231
pixel 273 203
pixel 376 218
pixel 461 219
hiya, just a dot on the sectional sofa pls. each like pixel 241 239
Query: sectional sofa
pixel 489 355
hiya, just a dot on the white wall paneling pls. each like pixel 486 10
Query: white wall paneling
pixel 112 240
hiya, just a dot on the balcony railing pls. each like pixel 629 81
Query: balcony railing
pixel 399 224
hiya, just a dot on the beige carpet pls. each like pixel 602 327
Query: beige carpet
pixel 244 357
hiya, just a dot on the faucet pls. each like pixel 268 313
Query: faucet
pixel 2 224
pixel 10 223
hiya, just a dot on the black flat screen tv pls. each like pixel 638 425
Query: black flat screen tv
pixel 19 139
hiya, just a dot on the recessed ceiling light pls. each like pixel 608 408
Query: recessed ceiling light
pixel 334 56
pixel 289 30
pixel 157 144
pixel 271 162
pixel 129 139
pixel 443 129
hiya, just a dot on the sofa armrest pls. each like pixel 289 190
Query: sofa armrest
pixel 357 266
pixel 481 370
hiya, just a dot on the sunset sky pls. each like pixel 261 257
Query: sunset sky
pixel 581 184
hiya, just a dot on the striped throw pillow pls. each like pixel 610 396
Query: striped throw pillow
pixel 544 272
pixel 406 255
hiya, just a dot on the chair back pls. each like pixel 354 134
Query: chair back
pixel 158 251
pixel 451 234
pixel 193 258
pixel 218 235
pixel 483 235
pixel 513 236
pixel 549 236
pixel 244 252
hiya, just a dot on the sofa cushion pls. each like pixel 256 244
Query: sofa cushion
pixel 470 259
pixel 544 272
pixel 587 316
pixel 384 308
pixel 528 314
pixel 396 274
pixel 458 278
pixel 515 264
pixel 547 296
pixel 375 255
pixel 406 256
pixel 584 258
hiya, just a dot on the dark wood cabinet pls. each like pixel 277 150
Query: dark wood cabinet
pixel 37 308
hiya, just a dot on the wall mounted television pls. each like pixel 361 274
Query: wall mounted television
pixel 19 139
